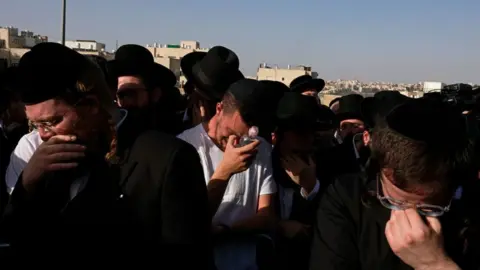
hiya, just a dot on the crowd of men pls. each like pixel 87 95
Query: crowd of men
pixel 106 163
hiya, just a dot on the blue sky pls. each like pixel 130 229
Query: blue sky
pixel 386 40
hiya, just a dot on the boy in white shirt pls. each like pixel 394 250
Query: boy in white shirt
pixel 239 179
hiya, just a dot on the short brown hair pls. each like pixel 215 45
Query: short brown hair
pixel 229 102
pixel 417 163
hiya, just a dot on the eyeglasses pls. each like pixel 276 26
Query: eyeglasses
pixel 49 126
pixel 423 209
pixel 348 125
pixel 46 126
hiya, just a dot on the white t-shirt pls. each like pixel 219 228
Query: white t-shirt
pixel 20 156
pixel 240 200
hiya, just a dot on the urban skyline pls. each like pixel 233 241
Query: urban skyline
pixel 27 38
pixel 372 40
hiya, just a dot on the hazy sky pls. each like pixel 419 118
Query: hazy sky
pixel 386 40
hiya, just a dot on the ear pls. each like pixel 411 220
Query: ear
pixel 156 94
pixel 388 174
pixel 274 138
pixel 219 108
pixel 366 138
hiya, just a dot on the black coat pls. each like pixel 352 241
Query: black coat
pixel 350 230
pixel 152 209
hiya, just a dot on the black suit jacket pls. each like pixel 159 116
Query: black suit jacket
pixel 350 229
pixel 166 199
pixel 151 209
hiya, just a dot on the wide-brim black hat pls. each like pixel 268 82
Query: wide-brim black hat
pixel 297 112
pixel 367 109
pixel 376 108
pixel 327 119
pixel 306 82
pixel 100 61
pixel 49 70
pixel 214 74
pixel 155 73
pixel 350 107
pixel 188 61
pixel 135 60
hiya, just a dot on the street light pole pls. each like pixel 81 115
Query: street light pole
pixel 64 14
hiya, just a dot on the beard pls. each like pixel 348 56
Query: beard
pixel 143 116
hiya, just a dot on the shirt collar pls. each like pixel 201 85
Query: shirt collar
pixel 123 116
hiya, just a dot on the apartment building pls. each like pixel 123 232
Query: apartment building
pixel 176 51
pixel 285 75
pixel 170 55
pixel 14 44
pixel 432 86
pixel 89 47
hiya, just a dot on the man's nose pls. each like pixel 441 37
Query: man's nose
pixel 45 135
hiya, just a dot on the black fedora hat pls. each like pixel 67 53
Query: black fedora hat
pixel 277 90
pixel 350 107
pixel 217 70
pixel 100 61
pixel 188 61
pixel 47 71
pixel 306 82
pixel 327 119
pixel 376 108
pixel 367 108
pixel 135 60
pixel 297 112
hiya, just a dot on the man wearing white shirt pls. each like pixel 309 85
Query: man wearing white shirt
pixel 23 152
pixel 20 157
pixel 239 179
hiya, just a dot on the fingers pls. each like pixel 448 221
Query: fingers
pixel 65 156
pixel 59 148
pixel 401 226
pixel 394 231
pixel 402 218
pixel 414 218
pixel 62 166
pixel 249 147
pixel 420 229
pixel 408 227
pixel 63 160
pixel 389 232
pixel 434 223
pixel 61 138
pixel 231 140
